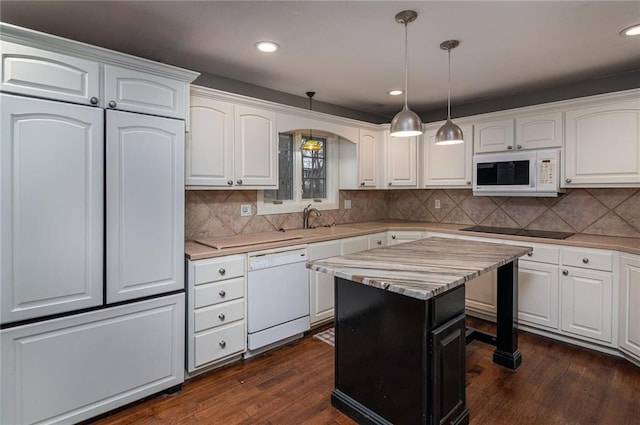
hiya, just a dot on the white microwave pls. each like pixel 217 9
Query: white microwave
pixel 527 173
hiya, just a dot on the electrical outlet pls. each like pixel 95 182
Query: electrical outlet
pixel 347 204
pixel 437 204
pixel 245 210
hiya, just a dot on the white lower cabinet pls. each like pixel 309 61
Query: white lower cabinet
pixel 629 335
pixel 481 295
pixel 73 368
pixel 400 236
pixel 538 294
pixel 216 327
pixel 321 287
pixel 353 245
pixel 587 294
pixel 377 240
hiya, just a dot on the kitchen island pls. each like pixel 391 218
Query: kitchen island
pixel 400 329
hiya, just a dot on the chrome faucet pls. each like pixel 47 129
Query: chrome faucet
pixel 306 213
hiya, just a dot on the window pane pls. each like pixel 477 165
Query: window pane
pixel 314 172
pixel 285 171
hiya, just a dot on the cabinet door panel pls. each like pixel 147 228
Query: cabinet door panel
pixel 256 147
pixel 587 298
pixel 538 294
pixel 368 159
pixel 145 199
pixel 137 91
pixel 402 162
pixel 41 73
pixel 603 144
pixel 447 165
pixel 51 207
pixel 494 136
pixel 630 304
pixel 209 145
pixel 539 131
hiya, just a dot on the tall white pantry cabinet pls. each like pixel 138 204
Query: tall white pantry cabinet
pixel 92 213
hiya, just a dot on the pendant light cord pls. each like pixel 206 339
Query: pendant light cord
pixel 449 88
pixel 406 65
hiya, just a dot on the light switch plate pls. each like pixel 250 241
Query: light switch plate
pixel 437 204
pixel 347 204
pixel 245 210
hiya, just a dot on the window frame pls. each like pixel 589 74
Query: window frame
pixel 332 168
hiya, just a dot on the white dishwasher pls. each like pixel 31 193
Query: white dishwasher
pixel 277 297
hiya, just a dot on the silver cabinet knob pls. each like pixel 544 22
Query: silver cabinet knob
pixel 468 181
pixel 389 183
pixel 565 272
pixel 230 182
pixel 112 104
pixel 93 100
pixel 222 294
pixel 239 181
pixel 222 271
pixel 362 184
pixel 222 344
pixel 393 236
pixel 221 316
pixel 509 147
pixel 568 180
pixel 530 254
pixel 585 260
pixel 379 242
pixel 519 147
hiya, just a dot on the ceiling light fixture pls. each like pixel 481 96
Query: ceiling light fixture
pixel 267 46
pixel 396 92
pixel 631 31
pixel 310 144
pixel 406 123
pixel 449 133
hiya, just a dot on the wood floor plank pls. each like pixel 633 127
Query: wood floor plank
pixel 557 384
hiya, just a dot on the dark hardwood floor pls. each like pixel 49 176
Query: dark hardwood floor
pixel 556 384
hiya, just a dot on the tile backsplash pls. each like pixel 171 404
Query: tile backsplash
pixel 612 212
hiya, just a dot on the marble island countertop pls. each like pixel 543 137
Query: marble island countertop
pixel 421 269
pixel 240 244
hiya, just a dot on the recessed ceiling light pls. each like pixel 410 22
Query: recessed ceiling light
pixel 396 92
pixel 267 46
pixel 632 30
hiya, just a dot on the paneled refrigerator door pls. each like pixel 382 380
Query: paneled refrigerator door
pixel 51 207
pixel 145 205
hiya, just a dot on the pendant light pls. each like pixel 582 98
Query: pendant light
pixel 310 144
pixel 406 123
pixel 449 133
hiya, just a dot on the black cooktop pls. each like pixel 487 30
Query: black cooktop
pixel 519 232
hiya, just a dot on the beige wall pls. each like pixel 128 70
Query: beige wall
pixel 613 212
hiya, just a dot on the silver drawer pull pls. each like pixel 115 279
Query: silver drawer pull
pixel 221 316
pixel 568 180
pixel 585 260
pixel 239 181
pixel 230 182
pixel 222 271
pixel 393 236
pixel 93 100
pixel 222 293
pixel 509 147
pixel 530 254
pixel 565 272
pixel 362 184
pixel 112 104
pixel 519 147
pixel 222 344
pixel 379 242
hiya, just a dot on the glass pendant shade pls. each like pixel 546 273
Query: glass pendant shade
pixel 406 123
pixel 449 134
pixel 310 145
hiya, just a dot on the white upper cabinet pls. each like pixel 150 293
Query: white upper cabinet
pixel 602 146
pixel 51 203
pixel 540 131
pixel 230 146
pixel 493 136
pixel 446 165
pixel 401 161
pixel 145 205
pixel 256 147
pixel 129 90
pixel 41 73
pixel 209 144
pixel 368 147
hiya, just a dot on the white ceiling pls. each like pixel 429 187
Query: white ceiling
pixel 352 52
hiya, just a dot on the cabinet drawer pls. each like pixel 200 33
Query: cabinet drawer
pixel 218 315
pixel 540 253
pixel 321 250
pixel 215 293
pixel 219 343
pixel 41 73
pixel 587 259
pixel 353 245
pixel 217 269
